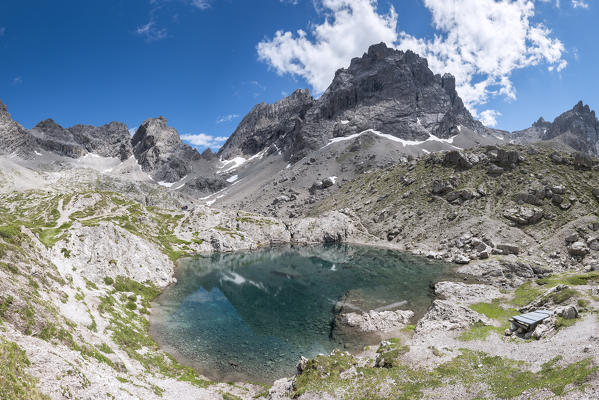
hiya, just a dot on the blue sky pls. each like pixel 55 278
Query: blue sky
pixel 203 64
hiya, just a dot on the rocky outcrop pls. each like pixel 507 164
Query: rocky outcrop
pixel 333 227
pixel 14 139
pixel 466 294
pixel 373 321
pixel 160 151
pixel 386 90
pixel 448 316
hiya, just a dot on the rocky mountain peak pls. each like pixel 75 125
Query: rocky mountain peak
pixel 160 151
pixel 580 122
pixel 3 108
pixel 387 90
pixel 541 123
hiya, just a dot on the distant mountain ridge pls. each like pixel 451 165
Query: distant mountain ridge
pixel 578 129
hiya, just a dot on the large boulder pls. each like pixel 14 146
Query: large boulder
pixel 523 215
pixel 448 316
pixel 373 321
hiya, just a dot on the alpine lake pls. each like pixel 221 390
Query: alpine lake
pixel 250 316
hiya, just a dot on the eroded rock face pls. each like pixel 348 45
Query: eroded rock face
pixel 387 90
pixel 160 151
pixel 13 137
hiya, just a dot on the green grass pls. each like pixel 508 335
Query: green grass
pixel 525 294
pixel 494 310
pixel 478 331
pixel 482 375
pixel 563 295
pixel 569 279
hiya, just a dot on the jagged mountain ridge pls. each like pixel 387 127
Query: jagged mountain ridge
pixel 385 90
pixel 577 129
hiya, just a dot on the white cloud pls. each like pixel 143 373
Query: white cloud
pixel 349 28
pixel 480 47
pixel 489 117
pixel 226 118
pixel 204 140
pixel 151 32
pixel 17 81
pixel 579 4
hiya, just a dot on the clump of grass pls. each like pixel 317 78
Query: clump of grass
pixel 147 290
pixel 563 295
pixel 525 294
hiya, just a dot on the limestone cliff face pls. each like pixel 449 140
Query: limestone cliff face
pixel 388 90
pixel 160 151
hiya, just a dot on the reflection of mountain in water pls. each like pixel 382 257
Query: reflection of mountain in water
pixel 270 306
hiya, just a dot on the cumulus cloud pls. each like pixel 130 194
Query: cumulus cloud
pixel 350 26
pixel 481 46
pixel 203 140
pixel 489 117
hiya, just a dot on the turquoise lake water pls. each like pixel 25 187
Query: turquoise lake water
pixel 249 316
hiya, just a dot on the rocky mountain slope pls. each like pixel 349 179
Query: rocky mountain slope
pixel 576 129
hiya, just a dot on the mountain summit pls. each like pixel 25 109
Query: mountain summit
pixel 385 90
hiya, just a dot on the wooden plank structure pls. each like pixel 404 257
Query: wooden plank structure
pixel 529 321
